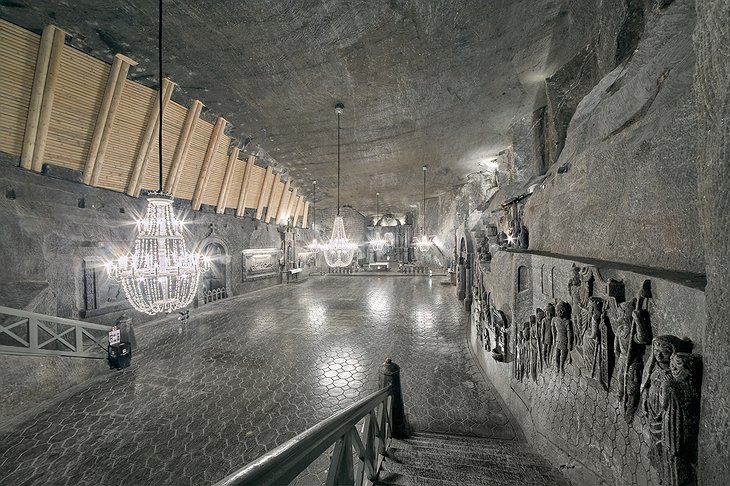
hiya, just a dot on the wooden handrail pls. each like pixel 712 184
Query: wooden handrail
pixel 283 463
pixel 61 320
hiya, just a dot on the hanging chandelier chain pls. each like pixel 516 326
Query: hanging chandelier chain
pixel 159 134
pixel 424 200
pixel 338 162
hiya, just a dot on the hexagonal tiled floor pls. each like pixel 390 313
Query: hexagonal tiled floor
pixel 246 374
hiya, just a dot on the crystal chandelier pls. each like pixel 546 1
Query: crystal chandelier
pixel 422 242
pixel 161 275
pixel 314 246
pixel 338 252
pixel 377 243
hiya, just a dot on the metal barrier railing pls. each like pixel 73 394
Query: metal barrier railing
pixel 384 419
pixel 30 333
pixel 215 294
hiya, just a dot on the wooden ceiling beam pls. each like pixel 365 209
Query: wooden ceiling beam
pixel 183 144
pixel 283 201
pixel 264 185
pixel 145 150
pixel 241 207
pixel 226 185
pixel 204 175
pixel 270 204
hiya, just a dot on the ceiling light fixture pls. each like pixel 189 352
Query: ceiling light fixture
pixel 423 243
pixel 161 275
pixel 377 243
pixel 338 252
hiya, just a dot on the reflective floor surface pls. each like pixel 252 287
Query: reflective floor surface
pixel 243 375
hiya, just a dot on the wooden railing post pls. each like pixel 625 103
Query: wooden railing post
pixel 390 375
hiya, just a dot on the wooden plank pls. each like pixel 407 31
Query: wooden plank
pixel 265 185
pixel 272 198
pixel 109 124
pixel 36 97
pixel 194 161
pixel 49 93
pixel 150 136
pixel 290 206
pixel 130 124
pixel 81 84
pixel 217 171
pixel 283 202
pixel 181 152
pixel 226 186
pixel 241 206
pixel 297 210
pixel 172 125
pixel 305 216
pixel 220 124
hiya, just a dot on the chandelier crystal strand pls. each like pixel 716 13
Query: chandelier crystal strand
pixel 423 242
pixel 339 251
pixel 161 275
pixel 377 243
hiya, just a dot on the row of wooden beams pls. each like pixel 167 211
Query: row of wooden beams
pixel 134 187
pixel 48 64
pixel 215 137
pixel 105 119
pixel 290 204
pixel 226 185
pixel 181 152
pixel 241 206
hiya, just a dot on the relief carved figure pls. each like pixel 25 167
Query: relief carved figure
pixel 538 332
pixel 547 334
pixel 532 356
pixel 598 344
pixel 562 330
pixel 580 288
pixel 633 333
pixel 670 394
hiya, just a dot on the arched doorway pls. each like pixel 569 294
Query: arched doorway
pixel 215 278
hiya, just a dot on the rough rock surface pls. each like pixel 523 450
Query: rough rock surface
pixel 631 146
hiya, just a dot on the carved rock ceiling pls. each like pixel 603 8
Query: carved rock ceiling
pixel 423 81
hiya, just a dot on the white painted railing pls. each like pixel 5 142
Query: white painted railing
pixel 28 333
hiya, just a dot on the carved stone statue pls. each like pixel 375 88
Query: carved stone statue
pixel 562 330
pixel 524 238
pixel 670 405
pixel 547 334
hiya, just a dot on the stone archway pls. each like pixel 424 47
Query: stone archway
pixel 215 277
pixel 465 259
pixel 219 274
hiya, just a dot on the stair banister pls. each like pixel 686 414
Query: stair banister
pixel 383 421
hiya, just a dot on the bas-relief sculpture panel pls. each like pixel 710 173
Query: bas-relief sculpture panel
pixel 594 345
pixel 260 264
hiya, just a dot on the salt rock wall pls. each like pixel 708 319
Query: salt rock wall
pixel 631 182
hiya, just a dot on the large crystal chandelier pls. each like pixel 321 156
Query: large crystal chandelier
pixel 338 252
pixel 377 243
pixel 314 246
pixel 161 275
pixel 422 242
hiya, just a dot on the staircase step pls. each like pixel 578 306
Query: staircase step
pixel 498 459
pixel 493 447
pixel 456 474
pixel 395 479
